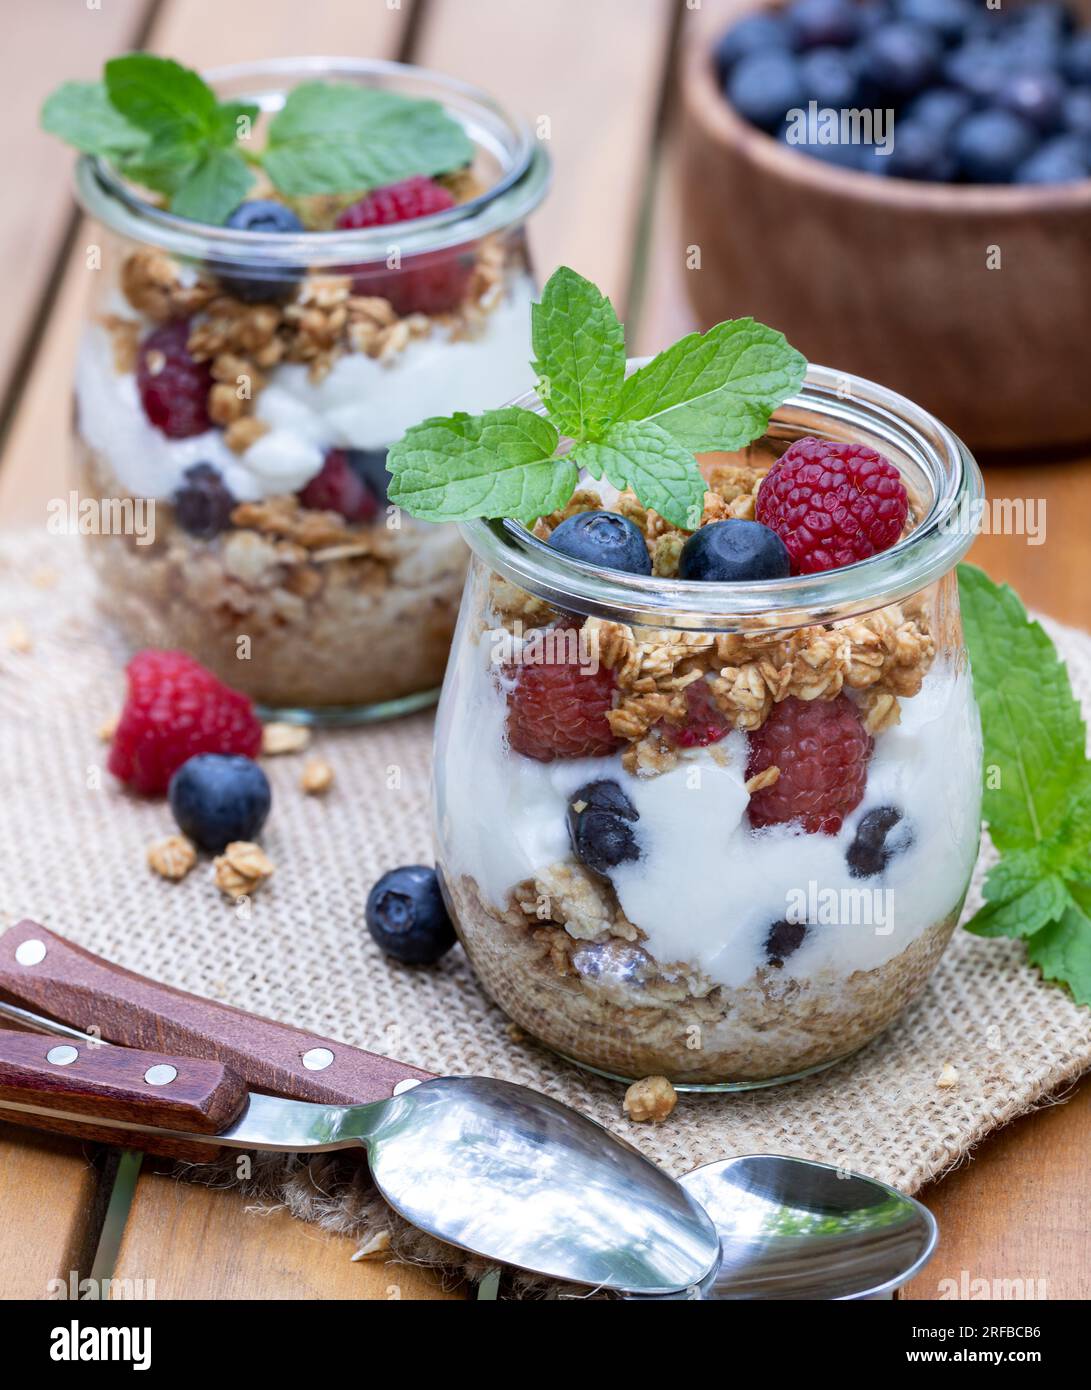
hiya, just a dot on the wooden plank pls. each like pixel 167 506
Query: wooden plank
pixel 588 74
pixel 197 32
pixel 1017 1211
pixel 56 40
pixel 197 1242
pixel 49 1191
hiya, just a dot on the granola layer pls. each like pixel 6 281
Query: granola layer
pixel 292 606
pixel 610 1005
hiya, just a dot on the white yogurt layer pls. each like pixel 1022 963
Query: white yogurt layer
pixel 707 888
pixel 361 403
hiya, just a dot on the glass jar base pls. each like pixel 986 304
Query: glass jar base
pixel 715 1087
pixel 348 716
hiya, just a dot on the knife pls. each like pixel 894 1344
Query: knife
pixel 491 1167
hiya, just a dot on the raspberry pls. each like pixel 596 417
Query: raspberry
pixel 557 710
pixel 832 503
pixel 175 708
pixel 822 751
pixel 432 283
pixel 704 722
pixel 339 488
pixel 173 387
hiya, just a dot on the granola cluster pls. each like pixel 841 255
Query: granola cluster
pixel 882 658
pixel 323 320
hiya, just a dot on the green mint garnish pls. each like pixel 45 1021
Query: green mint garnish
pixel 502 463
pixel 337 139
pixel 161 125
pixel 1037 797
pixel 707 392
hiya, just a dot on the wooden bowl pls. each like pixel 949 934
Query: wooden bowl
pixel 891 279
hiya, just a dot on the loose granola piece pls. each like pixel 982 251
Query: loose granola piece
pixel 948 1077
pixel 317 777
pixel 108 728
pixel 376 1247
pixel 881 711
pixel 284 738
pixel 650 1101
pixel 18 637
pixel 241 869
pixel 148 280
pixel 249 557
pixel 172 858
pixel 124 340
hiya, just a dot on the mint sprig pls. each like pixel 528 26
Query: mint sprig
pixel 161 125
pixel 710 391
pixel 1037 795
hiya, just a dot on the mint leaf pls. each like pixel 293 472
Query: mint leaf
pixel 213 187
pixel 1062 950
pixel 336 138
pixel 715 390
pixel 498 464
pixel 641 455
pixel 81 114
pixel 579 348
pixel 163 98
pixel 1033 729
pixel 1044 902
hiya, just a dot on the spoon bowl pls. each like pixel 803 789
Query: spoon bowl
pixel 791 1228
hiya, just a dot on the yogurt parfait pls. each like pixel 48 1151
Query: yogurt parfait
pixel 251 354
pixel 708 781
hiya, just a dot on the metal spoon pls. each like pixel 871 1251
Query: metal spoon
pixel 486 1165
pixel 791 1228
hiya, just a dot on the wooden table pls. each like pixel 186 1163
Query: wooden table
pixel 599 74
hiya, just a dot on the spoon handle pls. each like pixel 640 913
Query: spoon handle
pixel 116 1083
pixel 41 971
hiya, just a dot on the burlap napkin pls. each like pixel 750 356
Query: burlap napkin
pixel 72 855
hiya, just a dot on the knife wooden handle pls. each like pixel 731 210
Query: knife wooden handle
pixel 41 971
pixel 116 1083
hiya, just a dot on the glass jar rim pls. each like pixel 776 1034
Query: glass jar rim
pixel 524 179
pixel 854 406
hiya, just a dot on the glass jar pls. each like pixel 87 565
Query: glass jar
pixel 270 552
pixel 644 907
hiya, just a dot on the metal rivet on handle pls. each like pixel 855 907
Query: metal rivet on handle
pixel 317 1059
pixel 162 1074
pixel 30 952
pixel 62 1056
pixel 403 1086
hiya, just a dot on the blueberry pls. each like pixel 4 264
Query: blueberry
pixel 202 503
pixel 841 155
pixel 605 539
pixel 601 830
pixel 783 939
pixel 1077 113
pixel 1076 59
pixel 991 145
pixel 734 551
pixel 1064 159
pixel 253 282
pixel 407 918
pixel 901 58
pixel 831 77
pixel 765 87
pixel 949 18
pixel 751 34
pixel 1039 96
pixel 877 841
pixel 369 465
pixel 219 797
pixel 940 109
pixel 819 23
pixel 920 152
pixel 980 69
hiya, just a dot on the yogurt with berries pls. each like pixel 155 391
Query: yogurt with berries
pixel 726 857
